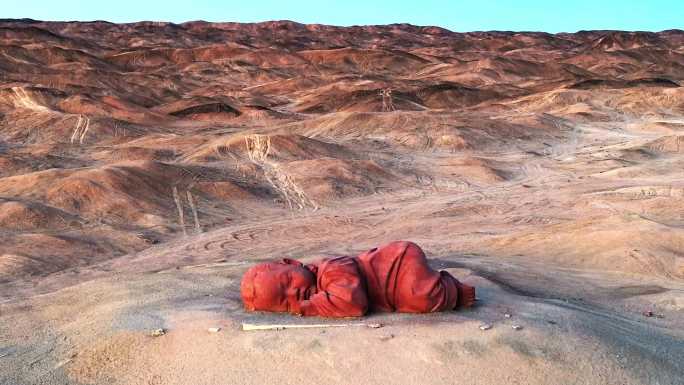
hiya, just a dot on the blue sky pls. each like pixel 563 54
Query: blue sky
pixel 457 15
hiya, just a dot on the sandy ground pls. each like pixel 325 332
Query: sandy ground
pixel 99 332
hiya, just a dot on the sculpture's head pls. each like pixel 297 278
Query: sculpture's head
pixel 277 286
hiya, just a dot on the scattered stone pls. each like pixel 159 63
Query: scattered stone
pixel 507 315
pixel 650 313
pixel 147 238
pixel 485 327
pixel 375 326
pixel 158 332
pixel 386 337
pixel 552 322
pixel 214 330
pixel 517 327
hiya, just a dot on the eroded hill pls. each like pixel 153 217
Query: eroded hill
pixel 144 166
pixel 107 129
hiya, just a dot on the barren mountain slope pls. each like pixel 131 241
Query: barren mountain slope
pixel 145 166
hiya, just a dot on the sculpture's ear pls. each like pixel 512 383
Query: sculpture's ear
pixel 288 261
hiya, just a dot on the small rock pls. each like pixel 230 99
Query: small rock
pixel 386 337
pixel 148 238
pixel 374 326
pixel 517 327
pixel 507 315
pixel 214 330
pixel 158 332
pixel 552 322
pixel 650 313
pixel 485 327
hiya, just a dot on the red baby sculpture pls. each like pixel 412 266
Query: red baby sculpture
pixel 394 277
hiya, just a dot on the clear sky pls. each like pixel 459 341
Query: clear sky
pixel 456 15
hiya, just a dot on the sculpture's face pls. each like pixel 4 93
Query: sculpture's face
pixel 277 286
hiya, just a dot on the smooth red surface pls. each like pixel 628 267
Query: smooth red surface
pixel 394 277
